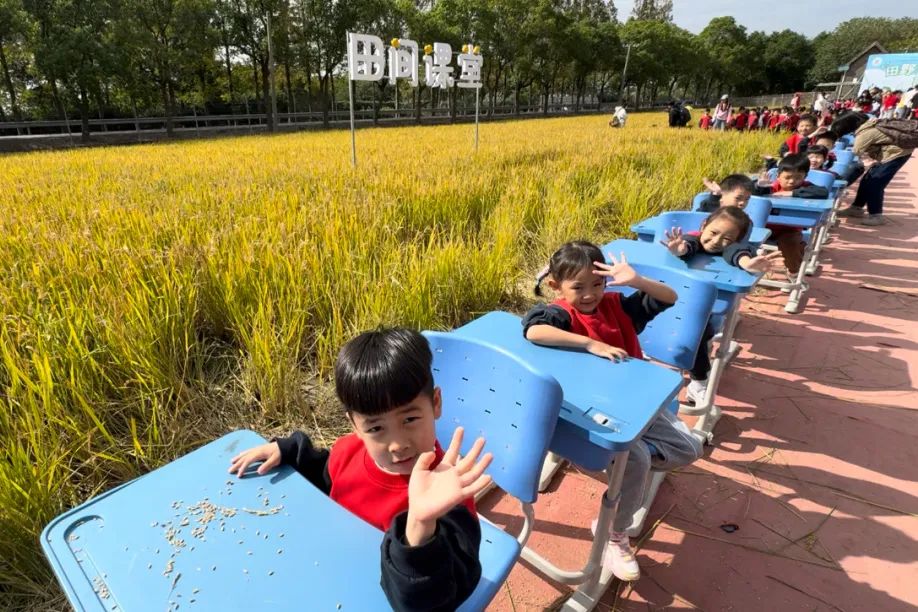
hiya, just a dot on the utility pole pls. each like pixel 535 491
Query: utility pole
pixel 621 92
pixel 272 124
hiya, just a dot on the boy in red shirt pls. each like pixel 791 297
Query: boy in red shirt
pixel 706 120
pixel 430 549
pixel 791 182
pixel 753 119
pixel 798 142
pixel 792 119
pixel 742 119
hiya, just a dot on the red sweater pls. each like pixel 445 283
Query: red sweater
pixel 705 122
pixel 741 120
pixel 608 323
pixel 365 490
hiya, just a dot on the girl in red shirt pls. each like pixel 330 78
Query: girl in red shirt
pixel 605 324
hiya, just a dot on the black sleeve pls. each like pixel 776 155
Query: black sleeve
pixel 710 204
pixel 814 192
pixel 736 250
pixel 438 575
pixel 693 244
pixel 803 145
pixel 761 190
pixel 782 151
pixel 297 451
pixel 547 314
pixel 641 309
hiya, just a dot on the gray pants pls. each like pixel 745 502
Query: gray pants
pixel 676 447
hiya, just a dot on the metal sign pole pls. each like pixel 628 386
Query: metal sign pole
pixel 477 89
pixel 350 93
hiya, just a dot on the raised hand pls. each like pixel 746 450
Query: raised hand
pixel 711 186
pixel 269 454
pixel 607 351
pixel 619 273
pixel 675 241
pixel 434 492
pixel 763 263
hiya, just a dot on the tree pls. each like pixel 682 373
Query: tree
pixel 653 10
pixel 14 30
pixel 726 44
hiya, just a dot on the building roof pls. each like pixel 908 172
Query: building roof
pixel 875 45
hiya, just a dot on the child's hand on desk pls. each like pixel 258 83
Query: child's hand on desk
pixel 434 492
pixel 269 454
pixel 675 242
pixel 601 349
pixel 762 263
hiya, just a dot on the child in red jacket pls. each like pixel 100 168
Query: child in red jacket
pixel 706 120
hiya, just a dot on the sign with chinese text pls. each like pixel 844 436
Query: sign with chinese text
pixel 891 71
pixel 366 58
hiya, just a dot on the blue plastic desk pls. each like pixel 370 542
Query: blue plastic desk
pixel 799 212
pixel 606 407
pixel 732 284
pixel 647 229
pixel 272 542
pixel 604 411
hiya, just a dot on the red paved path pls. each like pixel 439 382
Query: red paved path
pixel 818 444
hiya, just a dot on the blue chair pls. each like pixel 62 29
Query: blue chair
pixel 692 221
pixel 821 178
pixel 758 208
pixel 843 156
pixel 494 394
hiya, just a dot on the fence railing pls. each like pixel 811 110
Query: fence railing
pixel 285 121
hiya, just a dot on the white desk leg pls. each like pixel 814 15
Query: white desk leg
pixel 654 480
pixel 550 467
pixel 710 413
pixel 594 586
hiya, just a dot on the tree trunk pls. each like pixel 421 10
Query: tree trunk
pixel 417 104
pixel 516 98
pixel 167 108
pixel 84 115
pixel 291 101
pixel 266 93
pixel 8 81
pixel 323 92
pixel 229 65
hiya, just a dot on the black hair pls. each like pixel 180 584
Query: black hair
pixel 568 260
pixel 828 134
pixel 383 369
pixel 848 122
pixel 737 181
pixel 818 150
pixel 734 214
pixel 796 162
pixel 808 117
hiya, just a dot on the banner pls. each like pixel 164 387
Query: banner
pixel 891 71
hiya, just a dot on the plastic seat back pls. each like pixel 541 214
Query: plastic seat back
pixel 758 210
pixel 699 199
pixel 844 156
pixel 689 221
pixel 821 178
pixel 674 336
pixel 494 394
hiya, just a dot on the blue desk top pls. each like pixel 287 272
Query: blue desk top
pixel 191 534
pixel 609 404
pixel 790 203
pixel 725 277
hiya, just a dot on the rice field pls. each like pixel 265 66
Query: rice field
pixel 154 297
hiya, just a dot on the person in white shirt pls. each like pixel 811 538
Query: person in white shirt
pixel 618 117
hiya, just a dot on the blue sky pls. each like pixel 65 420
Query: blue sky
pixel 809 17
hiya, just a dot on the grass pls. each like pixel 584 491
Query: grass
pixel 154 297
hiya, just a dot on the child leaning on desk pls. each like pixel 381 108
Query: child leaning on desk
pixel 790 182
pixel 607 324
pixel 392 472
pixel 723 234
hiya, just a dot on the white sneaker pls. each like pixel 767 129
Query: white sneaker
pixel 619 556
pixel 696 391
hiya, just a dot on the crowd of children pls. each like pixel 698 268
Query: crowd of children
pixel 885 104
